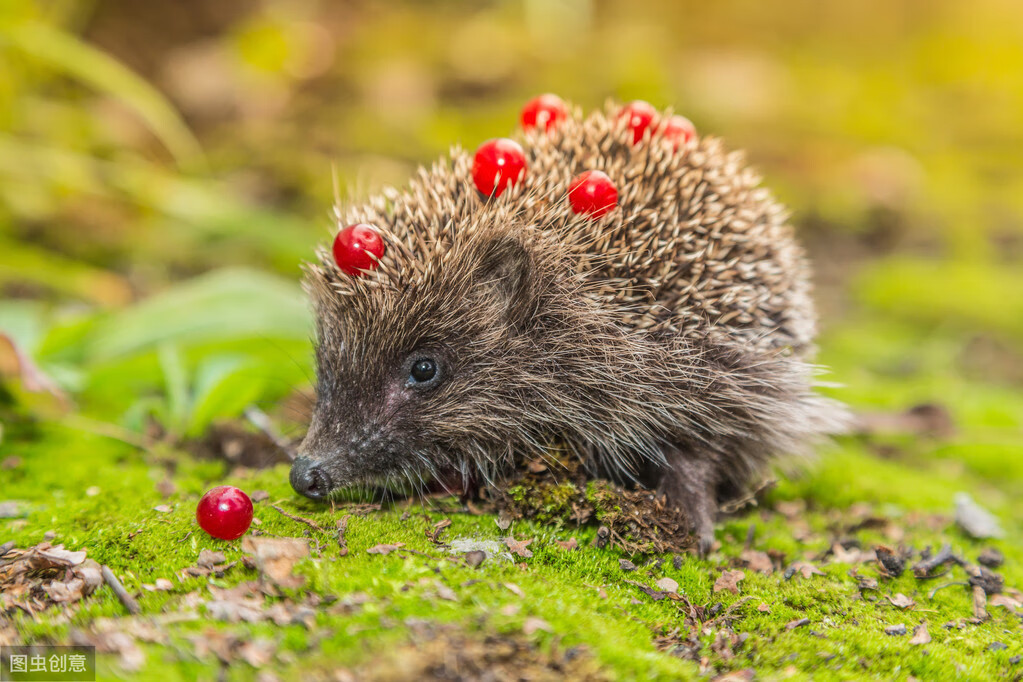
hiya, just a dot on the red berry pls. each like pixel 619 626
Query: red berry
pixel 497 164
pixel 355 246
pixel 593 194
pixel 679 130
pixel 224 512
pixel 640 115
pixel 544 111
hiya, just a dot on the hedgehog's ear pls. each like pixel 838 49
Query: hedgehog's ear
pixel 505 278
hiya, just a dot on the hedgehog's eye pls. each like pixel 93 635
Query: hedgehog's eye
pixel 423 371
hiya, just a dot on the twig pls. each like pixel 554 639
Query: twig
pixel 309 522
pixel 979 603
pixel 122 594
pixel 261 420
pixel 941 587
pixel 925 566
pixel 342 528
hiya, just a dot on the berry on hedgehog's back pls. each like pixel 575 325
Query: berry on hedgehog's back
pixel 631 294
pixel 692 242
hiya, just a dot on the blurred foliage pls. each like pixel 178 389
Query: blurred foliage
pixel 142 144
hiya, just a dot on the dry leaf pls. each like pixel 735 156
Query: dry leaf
pixel 668 585
pixel 209 559
pixel 764 608
pixel 901 601
pixel 757 561
pixel 568 544
pixel 276 557
pixel 798 623
pixel 920 635
pixel 729 580
pixel 162 508
pixel 1006 601
pixel 515 589
pixel 446 593
pixel 806 569
pixel 533 624
pixel 384 549
pixel 519 547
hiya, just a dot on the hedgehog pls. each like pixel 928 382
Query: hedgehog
pixel 664 338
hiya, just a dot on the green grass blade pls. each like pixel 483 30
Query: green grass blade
pixel 66 52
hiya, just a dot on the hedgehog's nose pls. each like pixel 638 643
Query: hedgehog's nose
pixel 308 478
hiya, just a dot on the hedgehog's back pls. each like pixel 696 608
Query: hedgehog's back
pixel 694 244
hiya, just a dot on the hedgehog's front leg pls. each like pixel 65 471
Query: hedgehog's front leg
pixel 689 483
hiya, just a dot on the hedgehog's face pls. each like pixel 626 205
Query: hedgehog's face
pixel 425 387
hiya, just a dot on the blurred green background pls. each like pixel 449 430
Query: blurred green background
pixel 166 166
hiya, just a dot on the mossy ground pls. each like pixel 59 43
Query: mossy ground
pixel 96 492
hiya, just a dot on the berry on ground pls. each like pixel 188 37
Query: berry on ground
pixel 593 194
pixel 497 164
pixel 224 512
pixel 358 247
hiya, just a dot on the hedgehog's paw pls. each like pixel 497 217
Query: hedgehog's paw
pixel 689 484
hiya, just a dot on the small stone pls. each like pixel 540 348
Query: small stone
pixel 895 630
pixel 626 565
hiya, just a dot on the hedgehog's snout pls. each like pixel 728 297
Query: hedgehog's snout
pixel 308 477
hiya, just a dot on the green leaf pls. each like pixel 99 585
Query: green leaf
pixel 176 386
pixel 225 385
pixel 68 53
pixel 223 305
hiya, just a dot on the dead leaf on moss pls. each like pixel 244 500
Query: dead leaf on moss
pixel 626 565
pixel 757 561
pixel 519 547
pixel 446 593
pixel 744 675
pixel 515 589
pixel 804 568
pixel 276 557
pixel 798 623
pixel 901 601
pixel 764 608
pixel 656 595
pixel 568 544
pixel 729 580
pixel 257 652
pixel 533 624
pixel 384 548
pixel 668 585
pixel 920 635
pixel 208 558
pixel 1006 601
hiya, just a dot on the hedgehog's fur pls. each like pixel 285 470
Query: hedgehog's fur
pixel 666 342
